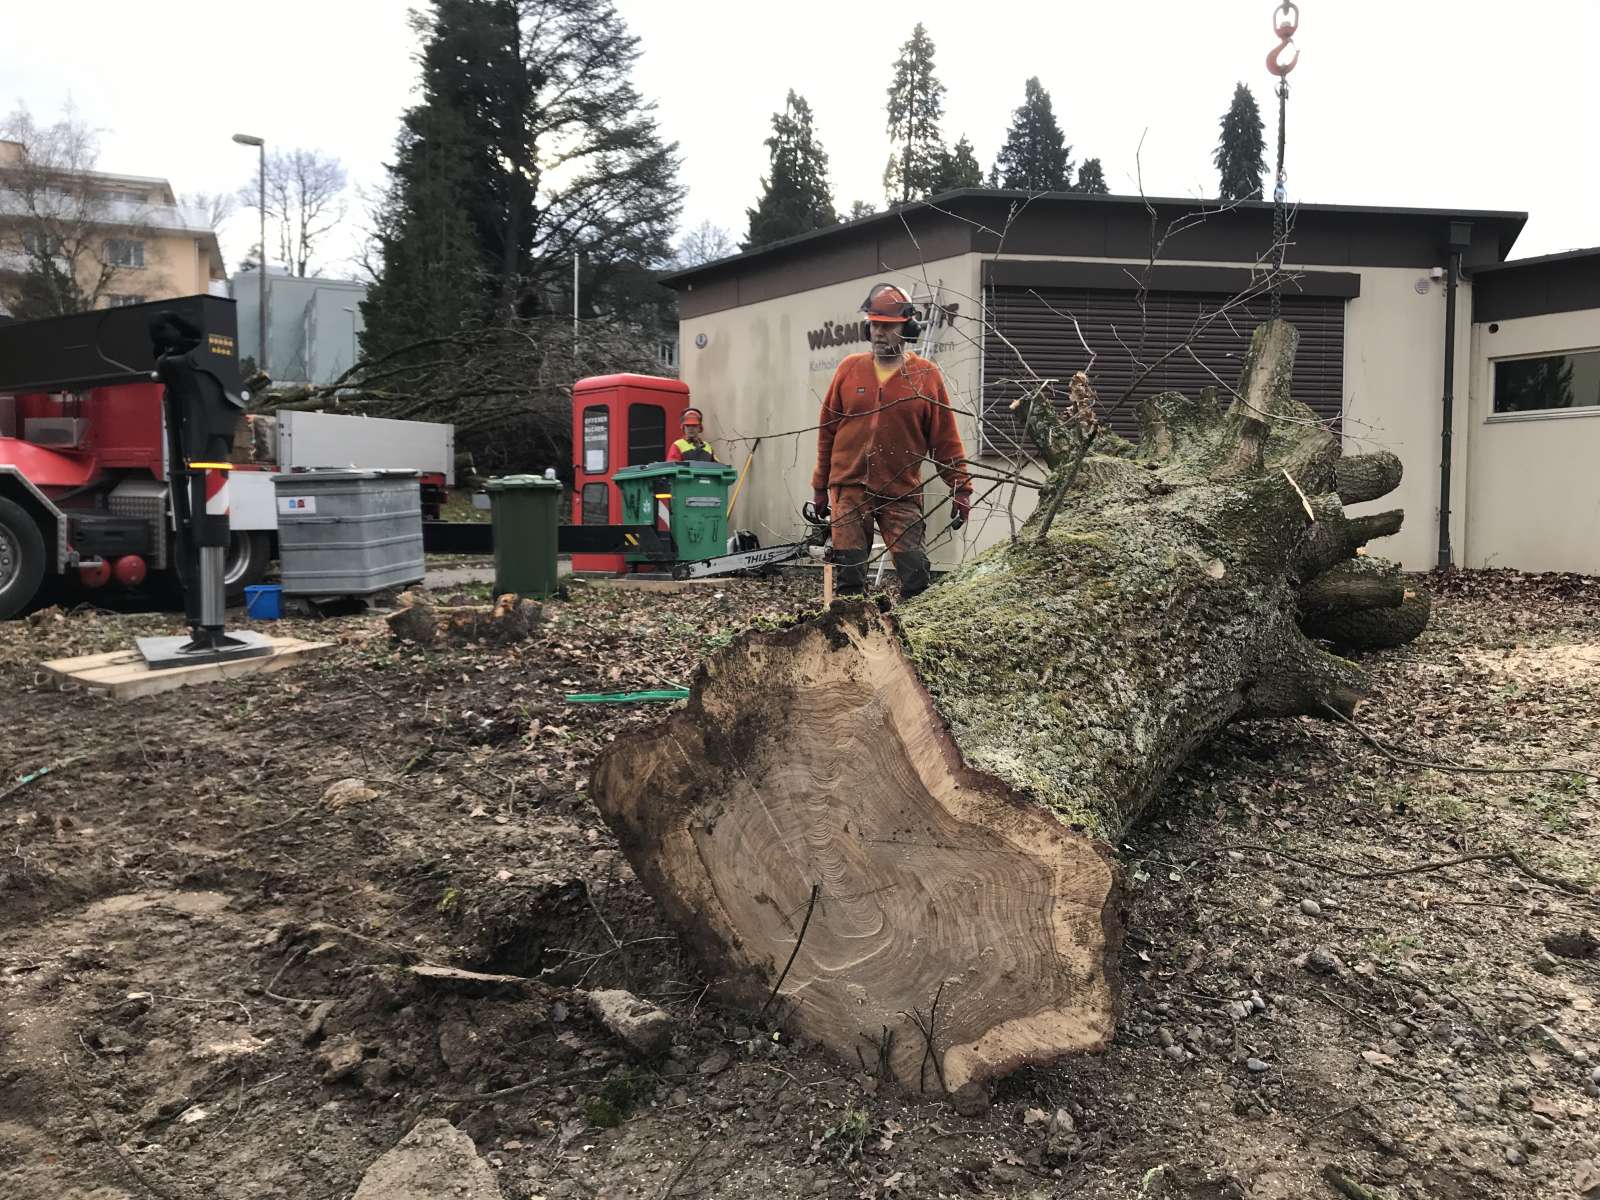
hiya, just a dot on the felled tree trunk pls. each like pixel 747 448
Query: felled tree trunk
pixel 894 831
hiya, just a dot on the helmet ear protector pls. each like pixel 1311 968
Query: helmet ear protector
pixel 886 303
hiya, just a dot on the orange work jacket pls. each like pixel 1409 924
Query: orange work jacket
pixel 878 435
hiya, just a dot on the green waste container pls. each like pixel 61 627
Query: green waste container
pixel 524 512
pixel 689 498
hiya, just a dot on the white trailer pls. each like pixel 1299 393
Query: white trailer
pixel 309 441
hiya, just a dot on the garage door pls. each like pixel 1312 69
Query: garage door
pixel 1031 334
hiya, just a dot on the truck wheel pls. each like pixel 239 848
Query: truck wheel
pixel 249 555
pixel 21 558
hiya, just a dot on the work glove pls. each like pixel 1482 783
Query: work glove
pixel 819 501
pixel 960 509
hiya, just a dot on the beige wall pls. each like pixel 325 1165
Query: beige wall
pixel 757 376
pixel 175 264
pixel 1533 480
pixel 1394 400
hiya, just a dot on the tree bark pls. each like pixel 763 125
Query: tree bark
pixel 1367 476
pixel 1375 628
pixel 933 794
pixel 1361 583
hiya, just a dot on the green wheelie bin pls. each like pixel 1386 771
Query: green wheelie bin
pixel 689 499
pixel 524 509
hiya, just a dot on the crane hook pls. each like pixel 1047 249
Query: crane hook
pixel 1286 19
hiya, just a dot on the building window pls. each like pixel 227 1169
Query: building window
pixel 119 197
pixel 124 252
pixel 667 352
pixel 41 245
pixel 122 300
pixel 1550 382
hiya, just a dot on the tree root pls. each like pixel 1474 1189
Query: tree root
pixel 1304 681
pixel 1353 586
pixel 1374 628
pixel 1335 537
pixel 1364 477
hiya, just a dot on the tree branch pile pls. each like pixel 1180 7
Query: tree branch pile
pixel 936 791
pixel 507 387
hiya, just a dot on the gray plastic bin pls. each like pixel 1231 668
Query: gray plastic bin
pixel 348 533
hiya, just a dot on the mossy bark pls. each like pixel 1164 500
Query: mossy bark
pixel 945 783
pixel 1164 603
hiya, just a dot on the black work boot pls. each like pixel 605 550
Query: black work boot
pixel 915 575
pixel 850 572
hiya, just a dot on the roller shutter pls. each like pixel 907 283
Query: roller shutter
pixel 1035 326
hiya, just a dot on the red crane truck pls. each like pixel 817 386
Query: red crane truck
pixel 83 452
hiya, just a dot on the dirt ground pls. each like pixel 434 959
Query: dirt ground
pixel 206 936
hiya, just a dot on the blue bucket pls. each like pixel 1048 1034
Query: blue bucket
pixel 263 601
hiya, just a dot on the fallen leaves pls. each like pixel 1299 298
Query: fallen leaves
pixel 347 792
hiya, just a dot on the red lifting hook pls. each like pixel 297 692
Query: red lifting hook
pixel 1286 19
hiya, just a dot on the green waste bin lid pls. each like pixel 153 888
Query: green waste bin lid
pixel 717 471
pixel 509 483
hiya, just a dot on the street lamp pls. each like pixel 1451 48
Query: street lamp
pixel 354 354
pixel 246 139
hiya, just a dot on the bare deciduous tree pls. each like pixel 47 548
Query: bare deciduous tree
pixel 706 242
pixel 215 207
pixel 66 237
pixel 305 199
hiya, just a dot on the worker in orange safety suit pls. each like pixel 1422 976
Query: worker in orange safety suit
pixel 692 446
pixel 886 413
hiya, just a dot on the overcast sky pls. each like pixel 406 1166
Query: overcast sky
pixel 1442 103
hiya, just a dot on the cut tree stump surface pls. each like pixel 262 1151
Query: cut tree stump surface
pixel 934 880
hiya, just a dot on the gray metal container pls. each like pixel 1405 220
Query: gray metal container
pixel 348 533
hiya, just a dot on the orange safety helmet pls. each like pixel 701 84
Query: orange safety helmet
pixel 888 304
pixel 885 302
pixel 693 416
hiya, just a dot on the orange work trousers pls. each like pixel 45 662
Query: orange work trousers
pixel 855 513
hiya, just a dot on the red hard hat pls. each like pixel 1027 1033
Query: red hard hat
pixel 885 302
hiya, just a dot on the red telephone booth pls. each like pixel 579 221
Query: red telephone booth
pixel 617 421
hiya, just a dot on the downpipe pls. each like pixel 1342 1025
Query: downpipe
pixel 1460 240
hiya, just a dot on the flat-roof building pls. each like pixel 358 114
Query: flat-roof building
pixel 1020 288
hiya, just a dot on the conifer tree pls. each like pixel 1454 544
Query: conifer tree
pixel 531 84
pixel 1240 155
pixel 1035 157
pixel 915 108
pixel 795 196
pixel 430 283
pixel 958 168
pixel 1091 178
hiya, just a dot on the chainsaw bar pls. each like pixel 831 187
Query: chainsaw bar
pixel 728 563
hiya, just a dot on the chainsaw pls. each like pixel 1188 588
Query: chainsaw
pixel 745 552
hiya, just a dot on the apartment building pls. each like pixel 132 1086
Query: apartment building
pixel 118 239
